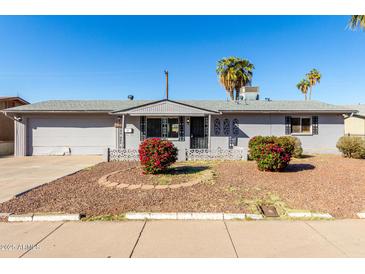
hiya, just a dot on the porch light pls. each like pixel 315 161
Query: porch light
pixel 188 120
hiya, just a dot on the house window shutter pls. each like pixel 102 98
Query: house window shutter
pixel 143 128
pixel 181 129
pixel 164 125
pixel 287 125
pixel 315 125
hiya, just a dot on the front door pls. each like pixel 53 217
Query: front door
pixel 198 138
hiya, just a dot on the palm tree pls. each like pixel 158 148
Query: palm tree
pixel 244 75
pixel 234 73
pixel 357 21
pixel 303 86
pixel 314 77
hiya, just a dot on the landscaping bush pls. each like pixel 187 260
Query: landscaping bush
pixel 273 153
pixel 290 143
pixel 293 144
pixel 256 141
pixel 273 157
pixel 352 147
pixel 156 155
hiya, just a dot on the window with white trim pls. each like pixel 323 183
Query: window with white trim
pixel 163 127
pixel 301 125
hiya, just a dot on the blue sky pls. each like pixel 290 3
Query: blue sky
pixel 109 57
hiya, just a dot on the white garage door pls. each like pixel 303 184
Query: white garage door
pixel 79 135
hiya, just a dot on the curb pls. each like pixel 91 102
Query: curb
pixel 43 218
pixel 191 216
pixel 310 215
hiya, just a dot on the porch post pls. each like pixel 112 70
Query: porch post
pixel 123 133
pixel 209 128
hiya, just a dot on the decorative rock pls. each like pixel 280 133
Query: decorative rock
pixel 111 184
pixel 161 187
pixel 4 215
pixel 361 215
pixel 147 187
pixel 188 184
pixel 20 218
pixel 234 216
pixel 131 187
pixel 56 217
pixel 174 186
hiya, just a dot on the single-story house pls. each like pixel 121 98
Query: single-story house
pixel 92 126
pixel 6 125
pixel 355 123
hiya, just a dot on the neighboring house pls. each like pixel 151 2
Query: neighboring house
pixel 89 127
pixel 7 125
pixel 355 123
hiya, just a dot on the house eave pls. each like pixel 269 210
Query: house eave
pixel 286 111
pixel 56 111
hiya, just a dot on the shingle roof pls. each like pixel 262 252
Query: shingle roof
pixel 214 105
pixel 9 98
pixel 359 107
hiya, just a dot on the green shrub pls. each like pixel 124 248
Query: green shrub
pixel 270 152
pixel 290 143
pixel 256 141
pixel 156 155
pixel 352 147
pixel 272 157
pixel 293 144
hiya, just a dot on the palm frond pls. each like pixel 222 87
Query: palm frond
pixel 357 21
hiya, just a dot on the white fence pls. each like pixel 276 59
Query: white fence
pixel 191 154
pixel 215 154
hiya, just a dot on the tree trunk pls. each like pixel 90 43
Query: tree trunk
pixel 237 94
pixel 231 93
pixel 305 96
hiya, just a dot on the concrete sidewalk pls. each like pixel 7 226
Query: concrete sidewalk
pixel 341 238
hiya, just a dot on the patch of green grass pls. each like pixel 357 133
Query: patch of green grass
pixel 104 218
pixel 186 171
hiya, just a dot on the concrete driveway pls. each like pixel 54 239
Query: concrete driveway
pixel 19 174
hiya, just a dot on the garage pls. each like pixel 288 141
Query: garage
pixel 70 134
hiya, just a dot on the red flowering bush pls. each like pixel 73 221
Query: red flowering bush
pixel 156 155
pixel 272 157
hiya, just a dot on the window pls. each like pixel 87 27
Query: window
pixel 154 128
pixel 163 128
pixel 301 125
pixel 172 128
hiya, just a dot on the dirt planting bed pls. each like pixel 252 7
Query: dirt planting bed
pixel 320 183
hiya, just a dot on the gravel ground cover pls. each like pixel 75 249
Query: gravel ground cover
pixel 320 183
